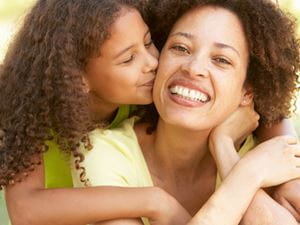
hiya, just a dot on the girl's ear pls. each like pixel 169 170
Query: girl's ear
pixel 247 97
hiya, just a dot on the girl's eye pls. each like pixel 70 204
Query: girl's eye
pixel 128 60
pixel 148 45
pixel 180 48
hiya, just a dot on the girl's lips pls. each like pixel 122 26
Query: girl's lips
pixel 149 83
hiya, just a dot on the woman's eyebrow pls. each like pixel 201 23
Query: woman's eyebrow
pixel 183 34
pixel 222 45
pixel 217 44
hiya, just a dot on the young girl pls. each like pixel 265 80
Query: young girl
pixel 72 65
pixel 70 68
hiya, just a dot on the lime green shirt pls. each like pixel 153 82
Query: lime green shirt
pixel 57 163
pixel 117 159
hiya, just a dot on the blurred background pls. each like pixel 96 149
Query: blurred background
pixel 11 16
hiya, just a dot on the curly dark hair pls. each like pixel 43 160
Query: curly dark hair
pixel 273 48
pixel 41 87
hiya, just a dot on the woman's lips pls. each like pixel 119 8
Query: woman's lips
pixel 188 94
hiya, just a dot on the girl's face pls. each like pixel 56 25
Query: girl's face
pixel 202 69
pixel 125 70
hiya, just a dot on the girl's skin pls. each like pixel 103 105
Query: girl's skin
pixel 125 71
pixel 129 59
pixel 263 209
pixel 129 74
pixel 213 63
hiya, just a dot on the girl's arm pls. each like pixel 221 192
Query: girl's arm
pixel 29 203
pixel 269 164
pixel 263 209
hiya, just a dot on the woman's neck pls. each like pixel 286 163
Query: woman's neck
pixel 179 151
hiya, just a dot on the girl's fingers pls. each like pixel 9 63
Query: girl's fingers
pixel 289 139
pixel 295 149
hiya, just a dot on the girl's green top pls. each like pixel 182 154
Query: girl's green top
pixel 57 163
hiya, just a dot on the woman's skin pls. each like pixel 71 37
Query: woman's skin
pixel 26 198
pixel 288 196
pixel 212 67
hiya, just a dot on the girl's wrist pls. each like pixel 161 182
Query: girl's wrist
pixel 247 166
pixel 155 202
pixel 217 141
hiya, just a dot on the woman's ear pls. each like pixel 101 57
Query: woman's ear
pixel 247 97
pixel 86 86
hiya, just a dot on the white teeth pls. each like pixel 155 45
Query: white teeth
pixel 189 93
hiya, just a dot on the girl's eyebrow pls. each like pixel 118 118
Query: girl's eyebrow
pixel 146 33
pixel 123 51
pixel 129 47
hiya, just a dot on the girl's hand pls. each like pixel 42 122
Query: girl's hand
pixel 276 161
pixel 238 125
pixel 168 211
pixel 288 195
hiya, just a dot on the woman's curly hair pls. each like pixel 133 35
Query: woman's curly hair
pixel 273 47
pixel 41 87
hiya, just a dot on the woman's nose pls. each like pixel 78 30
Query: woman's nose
pixel 196 67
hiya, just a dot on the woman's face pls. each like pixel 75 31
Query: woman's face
pixel 125 70
pixel 202 69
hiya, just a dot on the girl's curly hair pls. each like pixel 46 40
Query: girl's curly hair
pixel 273 47
pixel 41 86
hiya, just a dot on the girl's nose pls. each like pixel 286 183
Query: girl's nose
pixel 151 60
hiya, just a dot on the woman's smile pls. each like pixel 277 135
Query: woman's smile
pixel 186 93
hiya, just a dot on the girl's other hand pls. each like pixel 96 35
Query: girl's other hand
pixel 276 161
pixel 238 125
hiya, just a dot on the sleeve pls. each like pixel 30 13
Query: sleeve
pixel 109 164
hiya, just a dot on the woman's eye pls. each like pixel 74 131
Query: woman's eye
pixel 222 61
pixel 128 60
pixel 148 45
pixel 180 48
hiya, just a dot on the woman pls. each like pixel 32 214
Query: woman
pixel 204 75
